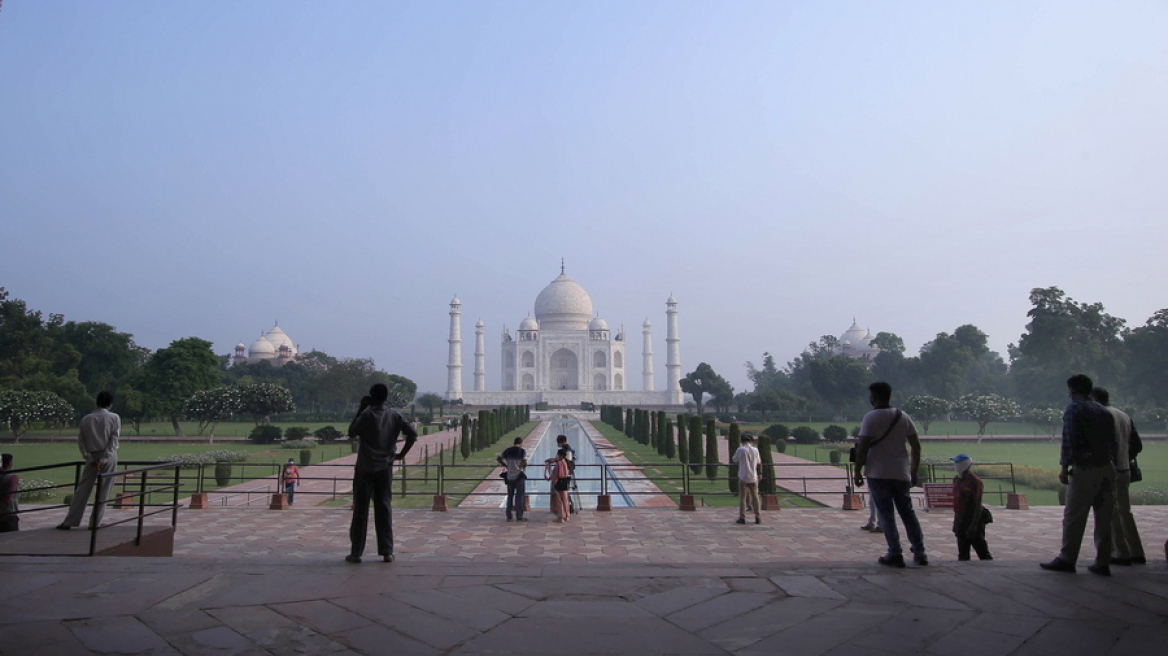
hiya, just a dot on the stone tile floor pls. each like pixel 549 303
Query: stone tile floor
pixel 252 581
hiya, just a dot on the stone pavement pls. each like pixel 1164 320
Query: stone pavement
pixel 252 581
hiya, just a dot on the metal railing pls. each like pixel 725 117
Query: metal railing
pixel 132 483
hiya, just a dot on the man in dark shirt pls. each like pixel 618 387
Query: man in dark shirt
pixel 514 460
pixel 377 427
pixel 1088 471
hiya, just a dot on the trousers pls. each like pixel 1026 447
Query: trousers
pixel 81 494
pixel 891 497
pixel 375 486
pixel 1090 489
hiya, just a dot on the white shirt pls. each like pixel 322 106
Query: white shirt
pixel 890 458
pixel 748 459
pixel 98 435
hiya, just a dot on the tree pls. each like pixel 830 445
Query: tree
pixel 20 409
pixel 733 438
pixel 776 400
pixel 767 483
pixel 695 444
pixel 768 377
pixel 925 410
pixel 133 406
pixel 1051 420
pixel 262 400
pixel 175 373
pixel 711 450
pixel 702 381
pixel 429 401
pixel 1064 337
pixel 682 441
pixel 984 409
pixel 464 442
pixel 841 381
pixel 108 359
pixel 1147 359
pixel 209 407
pixel 401 389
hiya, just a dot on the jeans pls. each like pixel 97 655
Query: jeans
pixel 290 490
pixel 889 493
pixel 516 497
pixel 376 486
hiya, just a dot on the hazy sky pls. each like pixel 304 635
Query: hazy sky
pixel 207 168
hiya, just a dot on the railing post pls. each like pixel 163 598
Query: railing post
pixel 439 504
pixel 687 500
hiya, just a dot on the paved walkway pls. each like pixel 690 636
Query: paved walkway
pixel 253 581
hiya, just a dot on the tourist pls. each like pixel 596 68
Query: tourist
pixel 749 469
pixel 1126 548
pixel 514 461
pixel 377 427
pixel 561 479
pixel 561 445
pixel 9 496
pixel 290 476
pixel 1087 458
pixel 97 439
pixel 969 515
pixel 890 452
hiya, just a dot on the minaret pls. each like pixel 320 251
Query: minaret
pixel 480 372
pixel 454 362
pixel 672 348
pixel 647 357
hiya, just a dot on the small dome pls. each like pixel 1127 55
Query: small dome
pixel 529 324
pixel 241 345
pixel 598 324
pixel 854 335
pixel 646 324
pixel 260 348
pixel 563 305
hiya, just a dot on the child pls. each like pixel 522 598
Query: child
pixel 969 518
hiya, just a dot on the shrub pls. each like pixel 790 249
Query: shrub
pixel 192 460
pixel 780 445
pixel 305 457
pixel 777 432
pixel 327 434
pixel 29 492
pixel 265 434
pixel 805 435
pixel 835 433
pixel 296 433
pixel 298 444
pixel 855 431
pixel 834 456
pixel 1150 496
pixel 223 474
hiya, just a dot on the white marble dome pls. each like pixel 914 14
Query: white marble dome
pixel 598 324
pixel 278 338
pixel 261 348
pixel 855 336
pixel 529 324
pixel 563 305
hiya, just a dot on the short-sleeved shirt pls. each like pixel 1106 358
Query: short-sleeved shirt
pixel 748 459
pixel 379 427
pixel 513 458
pixel 890 458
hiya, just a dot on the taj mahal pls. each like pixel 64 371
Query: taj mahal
pixel 564 356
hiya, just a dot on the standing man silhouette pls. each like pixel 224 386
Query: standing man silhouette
pixel 377 427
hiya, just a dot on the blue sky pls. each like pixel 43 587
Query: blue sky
pixel 205 169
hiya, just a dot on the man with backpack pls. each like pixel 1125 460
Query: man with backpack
pixel 890 452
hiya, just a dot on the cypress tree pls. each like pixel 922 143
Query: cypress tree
pixel 464 443
pixel 733 441
pixel 669 446
pixel 654 430
pixel 682 441
pixel 711 449
pixel 629 432
pixel 663 438
pixel 695 444
pixel 767 484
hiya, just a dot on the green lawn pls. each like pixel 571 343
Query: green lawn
pixel 1043 454
pixel 34 454
pixel 936 428
pixel 666 474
